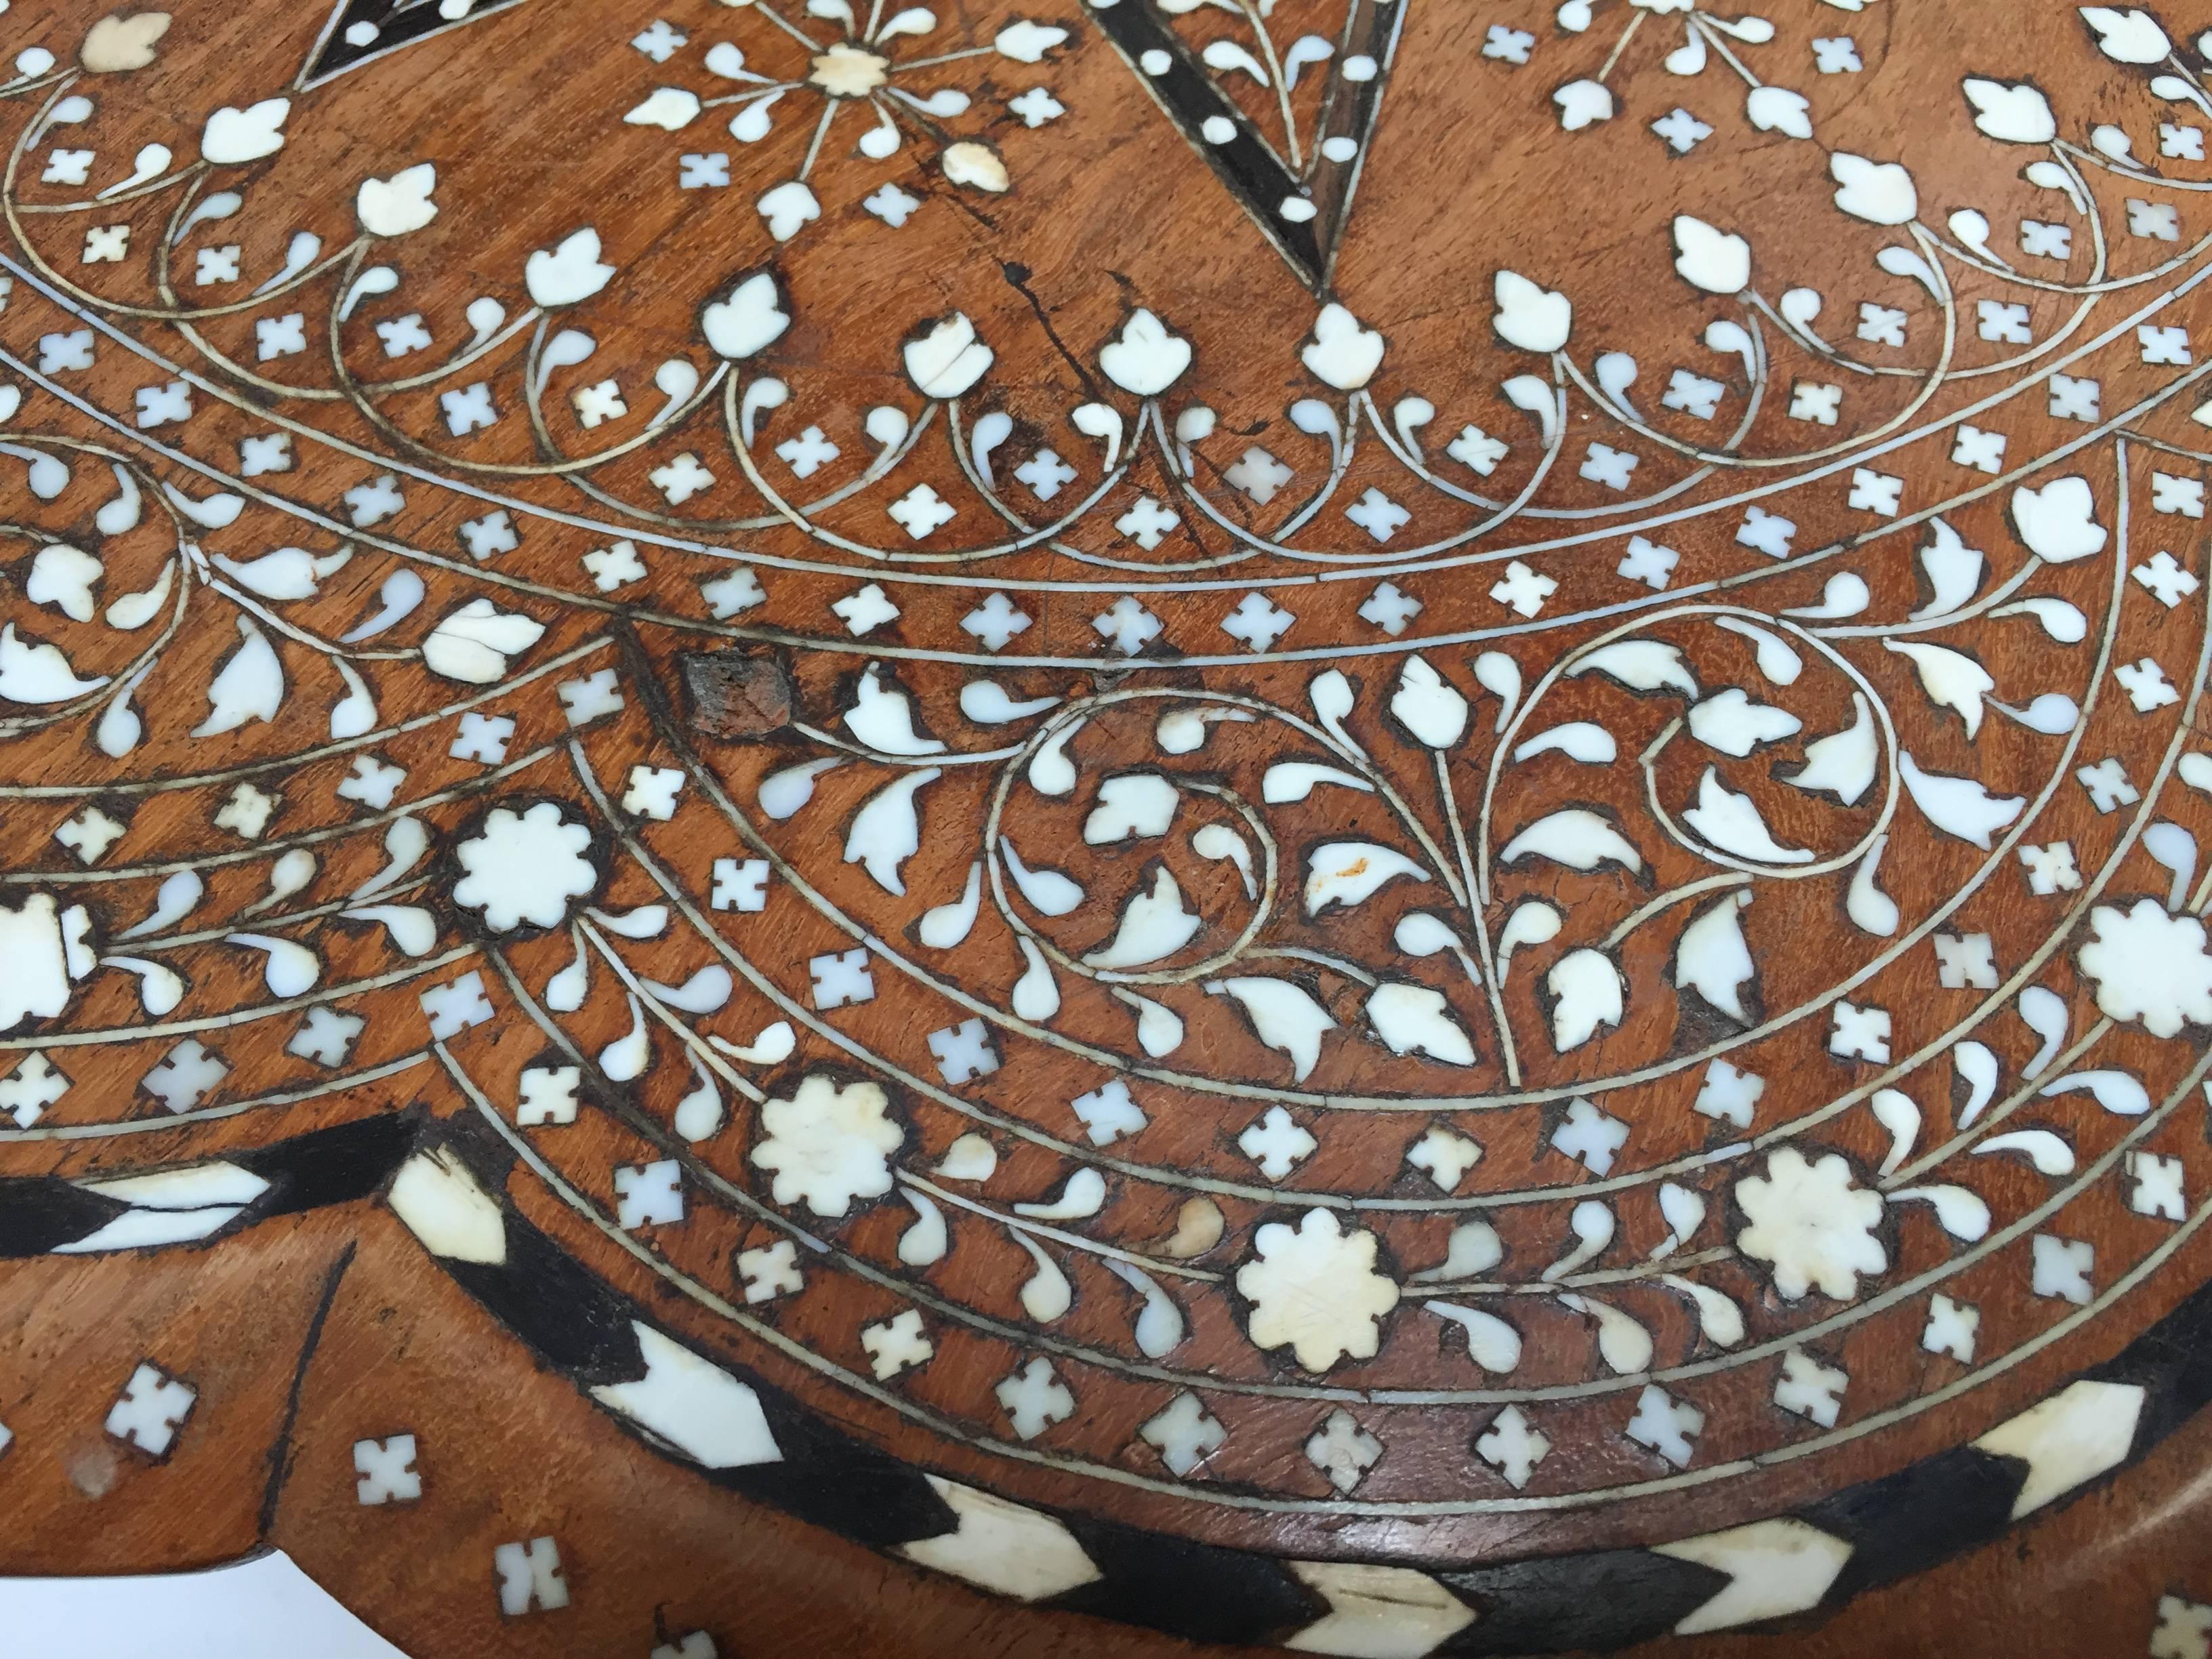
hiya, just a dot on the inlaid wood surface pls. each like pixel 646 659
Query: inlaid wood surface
pixel 1362 825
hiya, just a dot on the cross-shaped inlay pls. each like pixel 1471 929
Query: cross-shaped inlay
pixel 1127 625
pixel 152 1407
pixel 1147 522
pixel 1590 1136
pixel 529 1576
pixel 388 1472
pixel 1184 1433
pixel 897 1344
pixel 1389 608
pixel 1343 1450
pixel 1034 1399
pixel 33 1085
pixel 1513 1446
pixel 1810 1388
pixel 995 622
pixel 185 1076
pixel 453 1008
pixel 808 452
pixel 1258 474
pixel 1045 474
pixel 1666 1424
pixel 964 1052
pixel 1277 1142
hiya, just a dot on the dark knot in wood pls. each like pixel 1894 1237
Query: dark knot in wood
pixel 737 694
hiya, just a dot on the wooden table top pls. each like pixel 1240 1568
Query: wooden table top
pixel 1089 825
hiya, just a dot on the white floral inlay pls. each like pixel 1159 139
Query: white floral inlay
pixel 1313 1288
pixel 1811 1225
pixel 829 1145
pixel 524 867
pixel 2149 966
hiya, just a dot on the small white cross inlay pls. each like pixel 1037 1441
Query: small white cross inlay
pixel 326 1036
pixel 152 1407
pixel 865 609
pixel 995 622
pixel 33 1085
pixel 964 1052
pixel 1859 1033
pixel 679 480
pixel 1341 1450
pixel 1257 621
pixel 739 884
pixel 1034 1399
pixel 1521 590
pixel 2107 784
pixel 1810 1388
pixel 2074 398
pixel 482 739
pixel 615 567
pixel 583 701
pixel 2062 1267
pixel 842 977
pixel 1045 474
pixel 1609 466
pixel 1389 608
pixel 648 1194
pixel 1648 563
pixel 1952 1327
pixel 1513 1446
pixel 2157 1186
pixel 1108 1112
pixel 600 401
pixel 897 1345
pixel 2050 869
pixel 1693 394
pixel 1127 625
pixel 1444 1157
pixel 548 1095
pixel 1682 130
pixel 1666 1424
pixel 1815 401
pixel 1965 962
pixel 468 410
pixel 387 1471
pixel 1277 1142
pixel 1983 451
pixel 529 1576
pixel 1590 1136
pixel 921 511
pixel 1258 474
pixel 770 1272
pixel 1378 515
pixel 653 791
pixel 452 1009
pixel 1147 522
pixel 1184 1433
pixel 1476 449
pixel 808 453
pixel 185 1076
pixel 2164 578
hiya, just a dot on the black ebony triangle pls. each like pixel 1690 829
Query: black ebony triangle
pixel 359 30
pixel 1317 194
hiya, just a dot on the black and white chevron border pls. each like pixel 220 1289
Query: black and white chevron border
pixel 1809 1561
pixel 192 1202
pixel 445 1181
